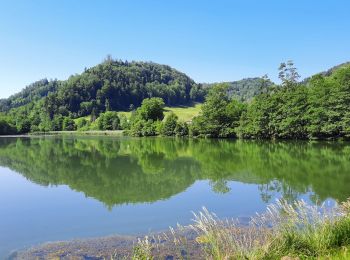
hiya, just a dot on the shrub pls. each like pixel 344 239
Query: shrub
pixel 151 109
pixel 169 125
pixel 83 124
pixel 68 124
pixel 124 122
pixel 109 121
pixel 181 129
pixel 6 128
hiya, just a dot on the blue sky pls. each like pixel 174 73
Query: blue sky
pixel 208 40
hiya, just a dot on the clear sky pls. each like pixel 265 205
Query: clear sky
pixel 208 40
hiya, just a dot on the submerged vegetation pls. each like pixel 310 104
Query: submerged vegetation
pixel 285 231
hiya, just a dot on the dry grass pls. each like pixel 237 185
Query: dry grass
pixel 290 231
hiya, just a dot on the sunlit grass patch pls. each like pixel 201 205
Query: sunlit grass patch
pixel 284 231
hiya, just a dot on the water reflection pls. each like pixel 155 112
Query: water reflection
pixel 129 170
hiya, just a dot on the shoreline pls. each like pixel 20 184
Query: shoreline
pixel 105 247
pixel 275 234
pixel 121 133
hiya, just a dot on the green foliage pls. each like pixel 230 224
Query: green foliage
pixel 124 122
pixel 252 108
pixel 319 110
pixel 6 128
pixel 285 231
pixel 33 92
pixel 220 115
pixel 169 125
pixel 245 89
pixel 68 124
pixel 108 121
pixel 143 250
pixel 146 120
pixel 57 123
pixel 181 129
pixel 110 86
pixel 23 126
pixel 292 111
pixel 151 109
pixel 82 123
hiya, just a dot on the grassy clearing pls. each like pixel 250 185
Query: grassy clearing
pixel 185 113
pixel 285 231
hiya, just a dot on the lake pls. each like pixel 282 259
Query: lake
pixel 61 188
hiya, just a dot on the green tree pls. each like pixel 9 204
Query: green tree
pixel 83 124
pixel 288 74
pixel 151 109
pixel 57 123
pixel 169 125
pixel 181 129
pixel 124 122
pixel 219 116
pixel 6 128
pixel 109 121
pixel 68 124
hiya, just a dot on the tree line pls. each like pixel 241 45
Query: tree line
pixel 318 107
pixel 113 85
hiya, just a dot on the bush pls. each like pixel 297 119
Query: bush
pixel 146 121
pixel 149 128
pixel 109 121
pixel 181 129
pixel 151 109
pixel 68 124
pixel 83 124
pixel 124 122
pixel 24 126
pixel 6 128
pixel 169 125
pixel 57 123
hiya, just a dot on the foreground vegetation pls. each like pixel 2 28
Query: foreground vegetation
pixel 285 231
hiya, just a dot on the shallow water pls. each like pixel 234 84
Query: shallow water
pixel 59 188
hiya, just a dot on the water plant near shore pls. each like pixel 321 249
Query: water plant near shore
pixel 284 231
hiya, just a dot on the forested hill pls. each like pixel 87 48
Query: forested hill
pixel 247 88
pixel 328 72
pixel 111 85
pixel 34 91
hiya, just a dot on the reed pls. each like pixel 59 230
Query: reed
pixel 285 231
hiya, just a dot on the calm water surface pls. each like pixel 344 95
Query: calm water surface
pixel 59 188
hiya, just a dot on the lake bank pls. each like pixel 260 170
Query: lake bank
pixel 284 231
pixel 109 247
pixel 79 133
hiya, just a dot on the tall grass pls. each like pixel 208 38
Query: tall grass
pixel 284 231
pixel 143 249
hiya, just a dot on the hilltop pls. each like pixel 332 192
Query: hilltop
pixel 111 85
pixel 245 89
